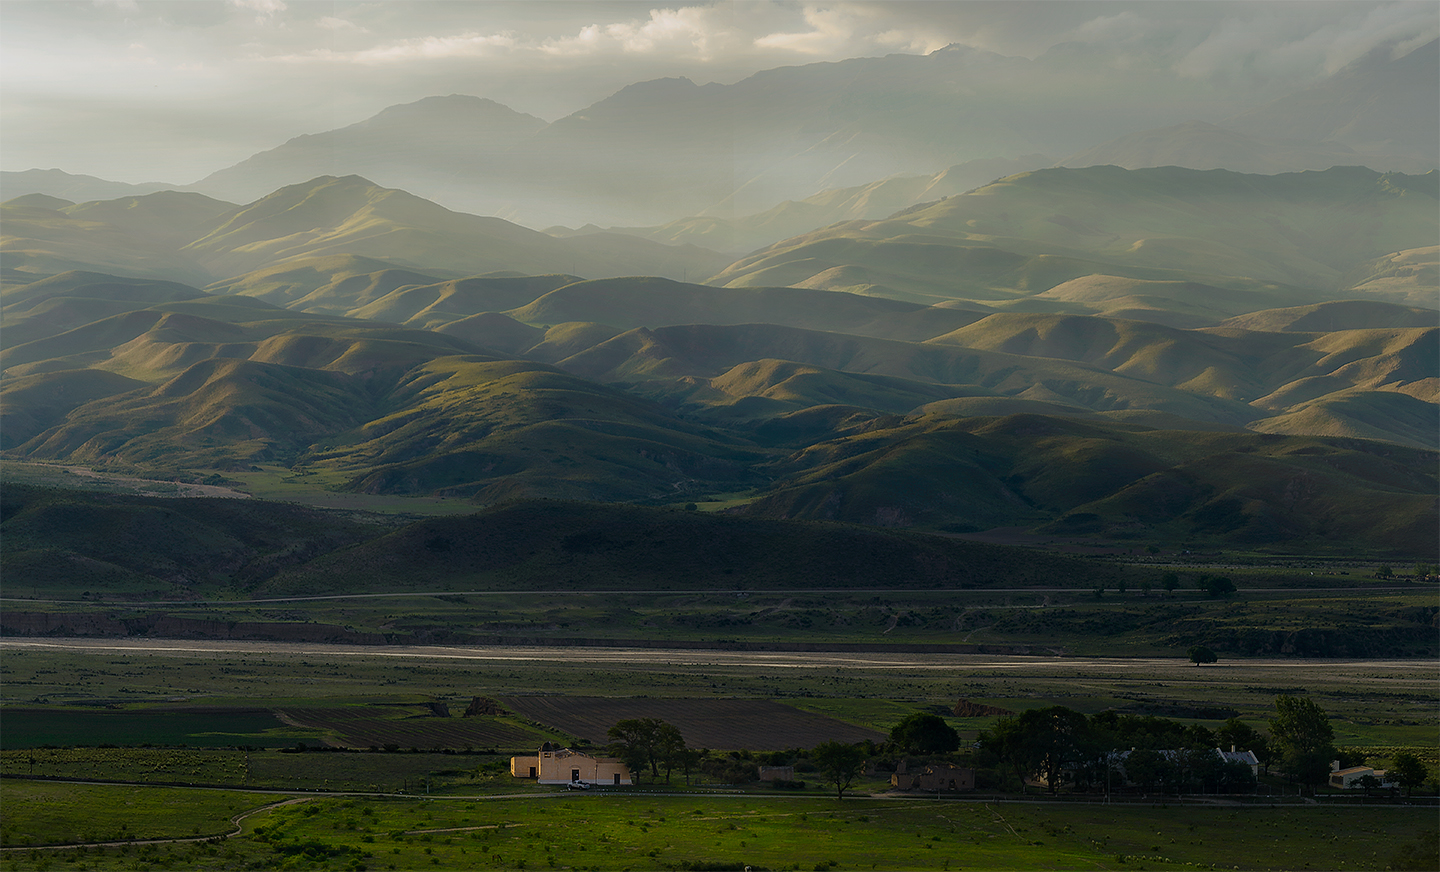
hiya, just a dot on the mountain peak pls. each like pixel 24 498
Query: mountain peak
pixel 651 91
pixel 447 106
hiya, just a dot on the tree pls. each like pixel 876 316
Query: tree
pixel 924 733
pixel 1385 572
pixel 1049 741
pixel 1150 769
pixel 1200 654
pixel 1240 736
pixel 840 763
pixel 647 743
pixel 1216 586
pixel 1169 581
pixel 669 748
pixel 1304 738
pixel 1408 771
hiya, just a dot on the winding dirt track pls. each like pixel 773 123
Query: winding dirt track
pixel 236 821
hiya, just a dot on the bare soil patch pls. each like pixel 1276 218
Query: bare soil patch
pixel 363 727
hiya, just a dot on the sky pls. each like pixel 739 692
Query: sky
pixel 171 90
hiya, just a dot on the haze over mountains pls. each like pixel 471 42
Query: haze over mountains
pixel 864 291
pixel 662 150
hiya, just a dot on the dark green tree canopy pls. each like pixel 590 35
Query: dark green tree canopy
pixel 924 733
pixel 1216 585
pixel 1199 654
pixel 1408 771
pixel 647 743
pixel 840 763
pixel 1303 737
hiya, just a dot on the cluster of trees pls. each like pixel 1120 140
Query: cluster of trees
pixel 1064 746
pixel 653 744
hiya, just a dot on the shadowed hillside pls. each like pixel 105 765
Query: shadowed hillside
pixel 135 547
pixel 580 546
pixel 1098 478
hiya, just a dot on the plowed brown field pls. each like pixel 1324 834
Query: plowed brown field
pixel 361 727
pixel 728 724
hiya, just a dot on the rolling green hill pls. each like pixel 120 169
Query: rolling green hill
pixel 1249 397
pixel 70 542
pixel 1028 233
pixel 1340 315
pixel 654 302
pixel 1124 481
pixel 563 545
pixel 493 430
pixel 332 216
pixel 434 305
pixel 331 285
pixel 123 547
pixel 41 241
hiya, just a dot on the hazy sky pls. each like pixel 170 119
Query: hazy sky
pixel 172 90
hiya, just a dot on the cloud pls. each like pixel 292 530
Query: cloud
pixel 332 23
pixel 701 30
pixel 831 29
pixel 264 9
pixel 122 5
pixel 1270 44
pixel 425 48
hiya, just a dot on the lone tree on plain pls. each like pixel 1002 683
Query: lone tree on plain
pixel 1199 654
pixel 840 763
pixel 924 733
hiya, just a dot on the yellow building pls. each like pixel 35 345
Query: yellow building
pixel 556 765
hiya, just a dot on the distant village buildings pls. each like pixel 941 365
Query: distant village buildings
pixel 777 773
pixel 555 765
pixel 936 776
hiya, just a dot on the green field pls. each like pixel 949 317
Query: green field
pixel 31 727
pixel 402 772
pixel 1371 703
pixel 38 813
pixel 678 832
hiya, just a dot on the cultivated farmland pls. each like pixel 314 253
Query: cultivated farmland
pixel 378 726
pixel 731 724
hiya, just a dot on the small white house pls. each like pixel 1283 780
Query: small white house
pixel 1348 779
pixel 556 765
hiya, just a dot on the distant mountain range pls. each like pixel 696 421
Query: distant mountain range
pixel 1160 354
pixel 195 239
pixel 734 167
pixel 1016 244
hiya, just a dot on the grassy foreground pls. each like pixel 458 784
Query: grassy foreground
pixel 636 831
pixel 47 813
